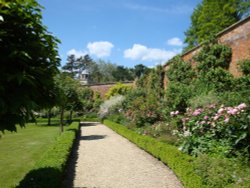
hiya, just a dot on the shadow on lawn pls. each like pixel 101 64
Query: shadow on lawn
pixel 40 178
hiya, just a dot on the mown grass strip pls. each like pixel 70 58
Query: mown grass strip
pixel 180 163
pixel 20 150
pixel 48 171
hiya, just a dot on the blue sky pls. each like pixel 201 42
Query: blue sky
pixel 125 32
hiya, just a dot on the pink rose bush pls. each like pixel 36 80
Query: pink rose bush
pixel 214 129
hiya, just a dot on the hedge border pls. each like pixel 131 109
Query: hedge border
pixel 49 170
pixel 180 163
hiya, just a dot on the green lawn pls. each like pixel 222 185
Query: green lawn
pixel 20 150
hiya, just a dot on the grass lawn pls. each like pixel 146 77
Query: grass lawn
pixel 20 150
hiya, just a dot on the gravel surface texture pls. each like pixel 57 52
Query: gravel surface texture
pixel 105 159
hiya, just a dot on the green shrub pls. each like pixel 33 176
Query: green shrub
pixel 180 71
pixel 177 96
pixel 213 56
pixel 48 171
pixel 144 110
pixel 118 89
pixel 219 172
pixel 179 162
pixel 244 66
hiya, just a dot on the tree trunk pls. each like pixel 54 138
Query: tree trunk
pixel 49 116
pixel 61 119
pixel 70 115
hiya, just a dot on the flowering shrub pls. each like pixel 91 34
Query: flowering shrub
pixel 221 130
pixel 110 105
pixel 143 110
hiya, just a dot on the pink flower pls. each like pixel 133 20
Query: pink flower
pixel 197 112
pixel 221 110
pixel 242 106
pixel 226 120
pixel 203 122
pixel 174 113
pixel 206 117
pixel 216 117
pixel 211 106
pixel 232 111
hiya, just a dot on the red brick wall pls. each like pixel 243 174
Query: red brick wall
pixel 103 88
pixel 237 37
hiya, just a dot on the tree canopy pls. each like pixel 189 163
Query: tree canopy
pixel 210 17
pixel 29 60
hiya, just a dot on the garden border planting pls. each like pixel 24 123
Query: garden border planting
pixel 49 170
pixel 179 162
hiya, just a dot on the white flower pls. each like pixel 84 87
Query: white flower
pixel 1 18
pixel 175 132
pixel 187 133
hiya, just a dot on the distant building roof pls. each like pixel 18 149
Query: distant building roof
pixel 85 71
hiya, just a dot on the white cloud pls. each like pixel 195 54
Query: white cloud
pixel 143 53
pixel 100 49
pixel 175 42
pixel 77 53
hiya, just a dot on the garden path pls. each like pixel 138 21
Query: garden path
pixel 105 159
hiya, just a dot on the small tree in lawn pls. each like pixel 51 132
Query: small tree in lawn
pixel 68 96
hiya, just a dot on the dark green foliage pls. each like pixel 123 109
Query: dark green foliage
pixel 70 66
pixel 140 70
pixel 74 66
pixel 102 71
pixel 219 79
pixel 152 81
pixel 155 82
pixel 143 104
pixel 177 96
pixel 86 97
pixel 211 17
pixel 123 74
pixel 212 63
pixel 213 56
pixel 180 71
pixel 29 60
pixel 144 110
pixel 244 66
pixel 48 171
pixel 180 163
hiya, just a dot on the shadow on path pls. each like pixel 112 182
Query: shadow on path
pixel 93 137
pixel 70 172
pixel 69 175
pixel 88 124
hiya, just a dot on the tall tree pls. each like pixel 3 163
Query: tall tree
pixel 123 74
pixel 141 70
pixel 210 17
pixel 70 66
pixel 29 60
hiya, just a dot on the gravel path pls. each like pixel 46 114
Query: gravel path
pixel 107 160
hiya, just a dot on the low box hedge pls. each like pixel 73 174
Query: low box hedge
pixel 48 171
pixel 180 163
